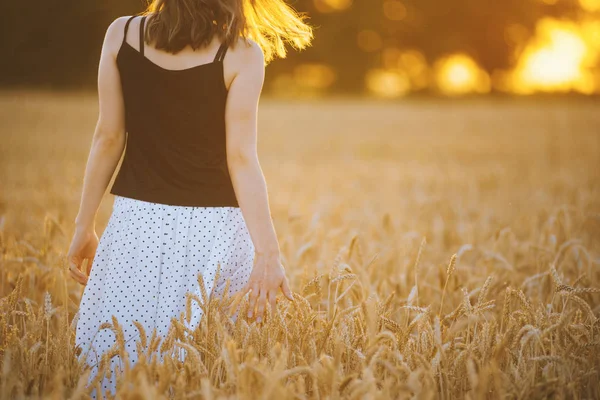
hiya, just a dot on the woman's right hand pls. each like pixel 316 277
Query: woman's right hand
pixel 267 278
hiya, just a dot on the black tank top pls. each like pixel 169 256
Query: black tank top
pixel 175 122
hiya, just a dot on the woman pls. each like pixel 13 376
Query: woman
pixel 183 79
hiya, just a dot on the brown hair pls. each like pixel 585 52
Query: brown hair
pixel 174 24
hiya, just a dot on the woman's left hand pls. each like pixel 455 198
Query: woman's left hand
pixel 83 246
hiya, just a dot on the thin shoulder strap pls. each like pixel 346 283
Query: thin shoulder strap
pixel 127 27
pixel 142 35
pixel 221 52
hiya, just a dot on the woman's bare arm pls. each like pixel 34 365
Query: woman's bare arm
pixel 106 150
pixel 248 180
pixel 109 136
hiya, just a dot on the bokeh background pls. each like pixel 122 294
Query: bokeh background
pixel 385 48
pixel 434 181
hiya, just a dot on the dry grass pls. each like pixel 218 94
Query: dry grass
pixel 436 250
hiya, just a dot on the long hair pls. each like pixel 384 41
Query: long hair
pixel 174 24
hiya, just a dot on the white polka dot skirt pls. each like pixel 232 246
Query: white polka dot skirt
pixel 148 258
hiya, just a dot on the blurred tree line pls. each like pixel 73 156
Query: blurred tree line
pixel 57 44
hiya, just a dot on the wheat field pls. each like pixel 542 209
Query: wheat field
pixel 436 249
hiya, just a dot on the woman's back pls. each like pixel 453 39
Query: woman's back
pixel 184 59
pixel 175 119
pixel 176 221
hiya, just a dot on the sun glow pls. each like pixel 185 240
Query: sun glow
pixel 327 6
pixel 459 74
pixel 388 83
pixel 590 5
pixel 559 58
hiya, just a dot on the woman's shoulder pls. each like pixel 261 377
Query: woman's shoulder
pixel 243 57
pixel 115 32
pixel 118 24
pixel 116 29
pixel 246 51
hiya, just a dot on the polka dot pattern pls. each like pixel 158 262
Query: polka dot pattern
pixel 148 258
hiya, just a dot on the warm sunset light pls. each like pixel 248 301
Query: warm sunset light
pixel 410 63
pixel 387 83
pixel 559 58
pixel 368 40
pixel 459 74
pixel 332 5
pixel 394 10
pixel 313 75
pixel 590 5
pixel 300 199
pixel 308 79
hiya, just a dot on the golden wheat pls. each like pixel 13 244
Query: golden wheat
pixel 507 202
